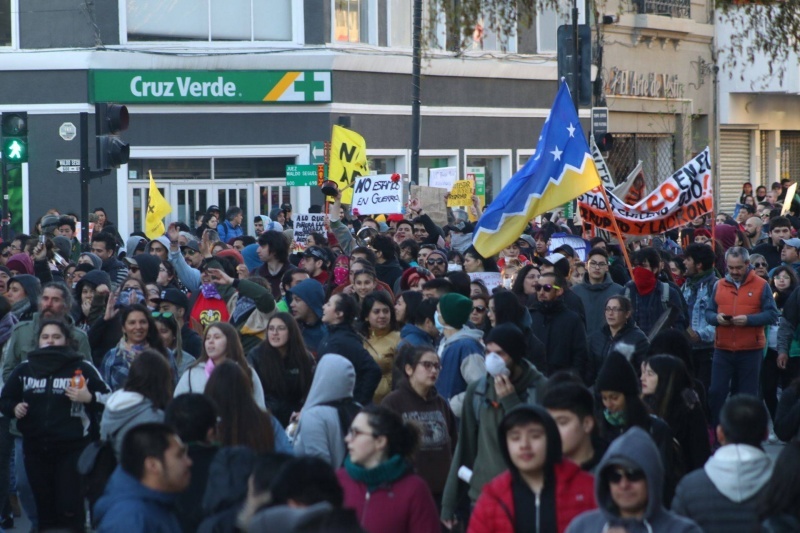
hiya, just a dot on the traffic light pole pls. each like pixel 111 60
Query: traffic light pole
pixel 86 177
pixel 416 78
pixel 6 227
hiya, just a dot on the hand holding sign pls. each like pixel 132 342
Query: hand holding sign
pixel 376 195
pixel 460 194
pixel 348 160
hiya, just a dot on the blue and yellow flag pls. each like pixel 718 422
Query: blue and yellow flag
pixel 561 170
pixel 157 209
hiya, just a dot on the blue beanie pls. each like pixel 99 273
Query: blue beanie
pixel 311 292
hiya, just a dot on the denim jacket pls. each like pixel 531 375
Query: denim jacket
pixel 697 295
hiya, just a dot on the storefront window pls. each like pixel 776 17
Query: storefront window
pixel 351 21
pixel 493 170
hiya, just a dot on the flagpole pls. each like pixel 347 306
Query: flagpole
pixel 617 231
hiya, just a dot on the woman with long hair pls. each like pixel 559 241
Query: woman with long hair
pixel 220 343
pixel 668 390
pixel 57 420
pixel 404 305
pixel 779 501
pixel 241 421
pixel 170 333
pixel 210 221
pixel 747 191
pixel 416 399
pixel 167 278
pixel 480 308
pixel 377 477
pixel 381 337
pixel 475 262
pixel 775 370
pixel 139 333
pixel 524 284
pixel 618 330
pixel 142 399
pixel 284 365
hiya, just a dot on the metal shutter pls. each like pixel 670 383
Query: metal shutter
pixel 734 166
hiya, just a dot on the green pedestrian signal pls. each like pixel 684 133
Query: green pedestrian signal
pixel 15 137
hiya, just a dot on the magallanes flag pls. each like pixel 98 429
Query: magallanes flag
pixel 561 170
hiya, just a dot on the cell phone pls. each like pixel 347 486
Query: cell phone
pixel 42 238
pixel 727 317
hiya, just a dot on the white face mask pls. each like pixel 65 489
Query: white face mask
pixel 495 365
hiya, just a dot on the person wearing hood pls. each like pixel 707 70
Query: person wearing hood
pixel 723 495
pixel 509 380
pixel 90 304
pixel 135 245
pixel 23 294
pixel 628 491
pixel 551 320
pixel 20 264
pixel 91 259
pixel 305 301
pixel 322 426
pixel 541 491
pixel 144 267
pixel 263 223
pixel 596 288
pixel 104 246
pixel 278 214
pixel 55 397
pixel 417 400
pixel 250 256
pixel 618 330
pixel 158 247
pixel 339 315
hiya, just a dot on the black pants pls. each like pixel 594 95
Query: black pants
pixel 56 485
pixel 6 451
pixel 772 377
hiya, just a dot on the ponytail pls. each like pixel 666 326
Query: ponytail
pixel 402 436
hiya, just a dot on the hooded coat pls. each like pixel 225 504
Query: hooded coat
pixel 124 410
pixel 319 433
pixel 343 339
pixel 723 495
pixel 635 449
pixel 129 506
pixel 313 294
pixel 567 490
pixel 593 297
pixel 148 265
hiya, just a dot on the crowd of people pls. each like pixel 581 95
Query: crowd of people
pixel 375 378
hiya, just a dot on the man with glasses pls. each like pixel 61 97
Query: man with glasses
pixel 561 330
pixel 596 289
pixel 780 228
pixel 628 489
pixel 5 252
pixel 436 262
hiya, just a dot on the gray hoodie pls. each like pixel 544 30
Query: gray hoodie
pixel 319 433
pixel 634 449
pixel 124 410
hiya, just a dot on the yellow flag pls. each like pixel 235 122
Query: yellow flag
pixel 157 209
pixel 348 160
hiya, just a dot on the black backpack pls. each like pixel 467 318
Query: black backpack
pixel 95 466
pixel 347 409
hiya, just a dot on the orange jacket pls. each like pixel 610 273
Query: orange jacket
pixel 754 299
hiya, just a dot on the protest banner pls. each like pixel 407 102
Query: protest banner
pixel 442 178
pixel 460 194
pixel 581 246
pixel 682 197
pixel 431 200
pixel 602 167
pixel 490 279
pixel 305 224
pixel 378 195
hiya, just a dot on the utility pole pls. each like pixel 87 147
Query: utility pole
pixel 86 177
pixel 576 50
pixel 416 71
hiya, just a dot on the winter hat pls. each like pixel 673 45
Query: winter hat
pixel 510 339
pixel 702 232
pixel 313 294
pixel 274 213
pixel 21 263
pixel 455 309
pixel 32 286
pixel 234 253
pixel 93 278
pixel 135 243
pixel 96 261
pixel 148 266
pixel 6 270
pixel 617 374
pixel 440 252
pixel 62 246
pixel 250 256
pixel 86 268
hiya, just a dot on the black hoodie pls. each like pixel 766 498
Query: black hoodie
pixel 41 382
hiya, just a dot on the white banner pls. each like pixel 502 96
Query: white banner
pixel 442 178
pixel 490 279
pixel 378 195
pixel 305 224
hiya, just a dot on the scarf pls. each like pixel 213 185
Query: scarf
pixel 243 306
pixel 210 291
pixel 21 307
pixel 615 419
pixel 129 352
pixel 385 473
pixel 645 280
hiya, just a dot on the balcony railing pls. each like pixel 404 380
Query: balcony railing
pixel 667 8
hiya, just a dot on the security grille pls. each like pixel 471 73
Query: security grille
pixel 669 8
pixel 764 162
pixel 790 155
pixel 654 150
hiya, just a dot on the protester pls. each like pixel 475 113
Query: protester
pixel 595 289
pixel 381 337
pixel 779 508
pixel 619 330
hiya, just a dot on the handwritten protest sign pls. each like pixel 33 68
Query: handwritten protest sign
pixel 376 195
pixel 682 197
pixel 431 199
pixel 305 225
pixel 443 178
pixel 460 194
pixel 490 279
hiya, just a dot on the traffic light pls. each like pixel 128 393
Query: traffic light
pixel 605 142
pixel 15 137
pixel 565 60
pixel 110 120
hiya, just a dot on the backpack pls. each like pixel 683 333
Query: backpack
pixel 664 295
pixel 347 409
pixel 95 466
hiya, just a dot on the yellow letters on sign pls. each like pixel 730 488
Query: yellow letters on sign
pixel 348 160
pixel 460 194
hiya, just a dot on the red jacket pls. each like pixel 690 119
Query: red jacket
pixel 748 299
pixel 494 510
pixel 404 506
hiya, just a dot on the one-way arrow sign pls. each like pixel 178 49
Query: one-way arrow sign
pixel 68 165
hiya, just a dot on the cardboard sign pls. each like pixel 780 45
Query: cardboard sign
pixel 377 195
pixel 432 201
pixel 305 224
pixel 679 199
pixel 490 279
pixel 460 194
pixel 443 178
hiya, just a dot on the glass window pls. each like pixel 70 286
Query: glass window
pixel 494 173
pixel 230 20
pixel 199 169
pixel 402 23
pixel 486 37
pixel 546 31
pixel 5 23
pixel 351 21
pixel 383 165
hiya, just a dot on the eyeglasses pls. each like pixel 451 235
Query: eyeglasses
pixel 595 264
pixel 479 308
pixel 615 476
pixel 355 433
pixel 546 287
pixel 759 265
pixel 189 251
pixel 276 329
pixel 430 365
pixel 613 309
pixel 160 314
pixel 432 262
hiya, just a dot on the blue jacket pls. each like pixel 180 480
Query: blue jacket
pixel 227 231
pixel 415 336
pixel 130 507
pixel 698 297
pixel 459 354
